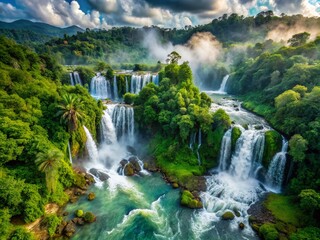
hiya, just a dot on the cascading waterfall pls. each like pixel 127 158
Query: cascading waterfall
pixel 115 88
pixel 91 147
pixel 222 88
pixel 155 79
pixel 100 87
pixel 71 79
pixel 276 168
pixel 127 85
pixel 193 137
pixel 69 151
pixel 108 131
pixel 123 121
pixel 138 82
pixel 225 151
pixel 77 78
pixel 248 154
pixel 199 145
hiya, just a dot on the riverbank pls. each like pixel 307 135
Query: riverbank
pixel 40 227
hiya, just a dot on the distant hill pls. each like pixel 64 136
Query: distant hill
pixel 28 31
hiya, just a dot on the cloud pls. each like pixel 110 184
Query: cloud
pixel 9 12
pixel 163 13
pixel 58 13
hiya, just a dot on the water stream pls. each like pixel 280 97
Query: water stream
pixel 145 207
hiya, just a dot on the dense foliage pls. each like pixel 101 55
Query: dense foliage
pixel 175 111
pixel 34 164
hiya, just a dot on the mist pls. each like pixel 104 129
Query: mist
pixel 201 50
pixel 282 33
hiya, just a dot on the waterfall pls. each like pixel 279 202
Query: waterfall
pixel 77 78
pixel 155 79
pixel 225 151
pixel 115 88
pixel 222 88
pixel 69 151
pixel 127 85
pixel 138 82
pixel 276 168
pixel 123 121
pixel 248 148
pixel 100 87
pixel 192 140
pixel 91 147
pixel 108 131
pixel 71 79
pixel 199 145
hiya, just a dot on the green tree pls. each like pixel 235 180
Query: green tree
pixel 5 225
pixel 71 112
pixel 299 39
pixel 173 58
pixel 48 163
pixel 287 97
pixel 298 146
pixel 309 200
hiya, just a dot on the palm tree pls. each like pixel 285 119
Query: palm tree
pixel 70 111
pixel 48 163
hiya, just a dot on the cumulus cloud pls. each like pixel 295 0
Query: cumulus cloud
pixel 9 12
pixel 163 13
pixel 58 12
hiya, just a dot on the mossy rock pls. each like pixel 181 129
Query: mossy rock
pixel 129 170
pixel 89 217
pixel 273 144
pixel 227 216
pixel 235 134
pixel 188 200
pixel 175 185
pixel 91 196
pixel 79 213
pixel 268 231
pixel 241 225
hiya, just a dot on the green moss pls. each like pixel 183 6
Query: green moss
pixel 79 213
pixel 235 134
pixel 188 200
pixel 227 216
pixel 210 150
pixel 273 144
pixel 269 232
pixel 176 160
pixel 284 209
pixel 89 217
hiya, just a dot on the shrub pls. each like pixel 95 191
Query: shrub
pixel 89 217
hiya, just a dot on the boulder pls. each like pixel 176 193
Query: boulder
pixel 128 170
pixel 135 163
pixel 99 174
pixel 175 185
pixel 123 162
pixel 61 227
pixel 89 217
pixel 189 200
pixel 241 225
pixel 91 196
pixel 69 229
pixel 78 221
pixel 228 215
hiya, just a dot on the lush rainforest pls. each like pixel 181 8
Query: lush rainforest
pixel 42 116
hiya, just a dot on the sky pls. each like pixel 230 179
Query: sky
pixel 162 13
